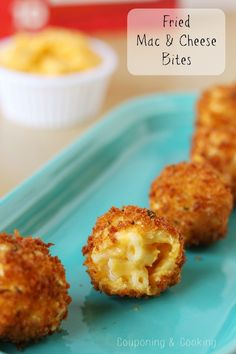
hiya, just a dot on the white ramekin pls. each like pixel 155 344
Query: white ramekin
pixel 56 102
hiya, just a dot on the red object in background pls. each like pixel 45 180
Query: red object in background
pixel 6 26
pixel 101 16
pixel 87 17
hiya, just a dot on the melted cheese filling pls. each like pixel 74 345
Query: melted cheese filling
pixel 137 262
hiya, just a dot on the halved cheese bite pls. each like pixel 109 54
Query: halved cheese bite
pixel 133 252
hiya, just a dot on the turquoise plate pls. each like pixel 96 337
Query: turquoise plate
pixel 114 164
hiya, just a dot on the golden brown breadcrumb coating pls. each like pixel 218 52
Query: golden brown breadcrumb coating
pixel 195 198
pixel 214 140
pixel 33 289
pixel 217 147
pixel 217 107
pixel 132 252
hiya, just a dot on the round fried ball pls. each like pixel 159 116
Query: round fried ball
pixel 133 252
pixel 217 147
pixel 195 198
pixel 217 107
pixel 33 289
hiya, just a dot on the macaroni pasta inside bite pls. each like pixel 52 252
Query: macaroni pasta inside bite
pixel 133 252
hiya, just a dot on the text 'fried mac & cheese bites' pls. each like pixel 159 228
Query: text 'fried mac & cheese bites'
pixel 133 252
pixel 33 289
pixel 195 199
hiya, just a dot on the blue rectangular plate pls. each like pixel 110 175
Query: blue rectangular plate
pixel 114 164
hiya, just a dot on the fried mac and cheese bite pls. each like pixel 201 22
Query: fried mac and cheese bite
pixel 132 252
pixel 33 289
pixel 196 199
pixel 217 147
pixel 214 140
pixel 217 107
